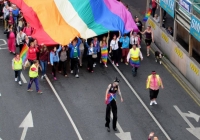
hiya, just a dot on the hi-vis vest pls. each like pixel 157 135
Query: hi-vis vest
pixel 33 74
pixel 17 64
pixel 149 80
pixel 134 53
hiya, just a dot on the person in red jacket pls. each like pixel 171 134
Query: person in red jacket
pixel 32 53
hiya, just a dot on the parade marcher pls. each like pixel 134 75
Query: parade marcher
pixel 28 30
pixel 44 59
pixel 10 33
pixel 134 57
pixel 134 39
pixel 62 66
pixel 154 7
pixel 20 24
pixel 17 67
pixel 96 45
pixel 149 38
pixel 20 37
pixel 104 49
pixel 74 55
pixel 139 25
pixel 114 49
pixel 32 53
pixel 15 12
pixel 27 40
pixel 33 74
pixel 81 48
pixel 54 59
pixel 110 100
pixel 5 14
pixel 153 83
pixel 10 18
pixel 91 50
pixel 125 47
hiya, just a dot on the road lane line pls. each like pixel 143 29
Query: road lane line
pixel 147 109
pixel 23 78
pixel 64 108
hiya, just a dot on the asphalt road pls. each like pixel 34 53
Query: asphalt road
pixel 84 100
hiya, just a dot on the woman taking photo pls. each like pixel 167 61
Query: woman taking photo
pixel 17 67
pixel 91 52
pixel 54 59
pixel 44 59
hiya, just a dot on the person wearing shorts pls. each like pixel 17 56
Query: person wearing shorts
pixel 148 38
pixel 153 83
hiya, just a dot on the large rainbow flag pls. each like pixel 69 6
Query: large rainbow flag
pixel 23 53
pixel 60 21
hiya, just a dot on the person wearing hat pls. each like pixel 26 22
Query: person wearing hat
pixel 134 57
pixel 153 83
pixel 110 100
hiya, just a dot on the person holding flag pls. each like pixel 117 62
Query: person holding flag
pixel 110 100
pixel 134 56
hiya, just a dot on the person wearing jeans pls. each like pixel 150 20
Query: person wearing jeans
pixel 74 55
pixel 54 59
pixel 114 49
pixel 44 59
pixel 17 67
pixel 33 74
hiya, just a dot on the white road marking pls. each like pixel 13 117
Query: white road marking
pixel 64 108
pixel 3 41
pixel 26 123
pixel 152 116
pixel 3 48
pixel 122 135
pixel 23 78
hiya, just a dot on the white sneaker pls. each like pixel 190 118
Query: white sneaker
pixel 151 103
pixel 20 83
pixel 113 62
pixel 156 60
pixel 76 76
pixel 100 62
pixel 117 65
pixel 42 77
pixel 93 65
pixel 155 102
pixel 160 62
pixel 106 66
pixel 71 71
pixel 15 79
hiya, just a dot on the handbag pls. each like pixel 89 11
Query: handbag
pixel 94 55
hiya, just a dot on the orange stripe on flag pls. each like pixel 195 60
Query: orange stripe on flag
pixel 52 21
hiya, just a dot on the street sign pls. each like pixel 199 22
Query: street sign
pixel 27 122
pixel 193 130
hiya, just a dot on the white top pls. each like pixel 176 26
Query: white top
pixel 114 44
pixel 133 40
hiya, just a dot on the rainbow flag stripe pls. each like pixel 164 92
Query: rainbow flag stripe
pixel 23 53
pixel 147 15
pixel 104 54
pixel 135 62
pixel 110 97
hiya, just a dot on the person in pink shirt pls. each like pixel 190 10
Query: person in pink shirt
pixel 28 30
pixel 153 83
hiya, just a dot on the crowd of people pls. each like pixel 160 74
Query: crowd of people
pixel 124 48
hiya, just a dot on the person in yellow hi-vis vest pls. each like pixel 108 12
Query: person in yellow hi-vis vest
pixel 33 74
pixel 153 83
pixel 134 56
pixel 17 67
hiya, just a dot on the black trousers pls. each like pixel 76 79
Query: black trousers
pixel 20 47
pixel 111 106
pixel 90 63
pixel 63 67
pixel 153 11
pixel 74 65
pixel 115 56
pixel 17 74
pixel 54 69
